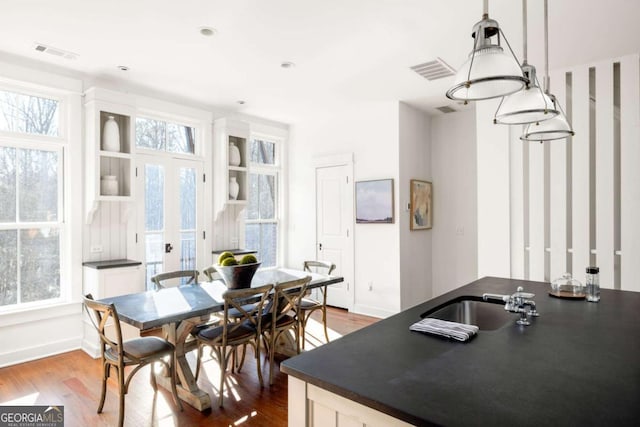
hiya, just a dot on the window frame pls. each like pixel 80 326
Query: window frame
pixel 58 144
pixel 275 170
pixel 198 152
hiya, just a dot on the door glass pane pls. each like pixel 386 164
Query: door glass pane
pixel 154 256
pixel 180 139
pixel 28 114
pixel 154 197
pixel 252 238
pixel 39 264
pixel 7 185
pixel 154 221
pixel 38 185
pixel 188 205
pixel 150 133
pixel 8 267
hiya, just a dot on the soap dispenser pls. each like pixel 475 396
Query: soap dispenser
pixel 567 287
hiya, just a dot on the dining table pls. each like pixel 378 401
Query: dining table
pixel 178 309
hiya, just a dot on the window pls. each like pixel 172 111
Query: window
pixel 31 201
pixel 165 136
pixel 261 222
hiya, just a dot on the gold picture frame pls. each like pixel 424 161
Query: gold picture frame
pixel 421 193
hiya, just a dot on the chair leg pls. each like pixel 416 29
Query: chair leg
pixel 303 325
pixel 172 372
pixel 198 361
pixel 324 322
pixel 241 362
pixel 272 347
pixel 257 349
pixel 222 358
pixel 122 391
pixel 154 384
pixel 105 374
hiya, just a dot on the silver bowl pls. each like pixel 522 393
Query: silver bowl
pixel 237 276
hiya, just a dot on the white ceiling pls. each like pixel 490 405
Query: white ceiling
pixel 344 50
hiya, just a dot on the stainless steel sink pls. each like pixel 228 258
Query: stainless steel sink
pixel 486 315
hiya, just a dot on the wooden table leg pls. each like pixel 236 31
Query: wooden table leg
pixel 188 389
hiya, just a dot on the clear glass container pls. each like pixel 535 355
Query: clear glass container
pixel 567 287
pixel 593 284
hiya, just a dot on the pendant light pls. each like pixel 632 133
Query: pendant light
pixel 530 104
pixel 557 127
pixel 489 72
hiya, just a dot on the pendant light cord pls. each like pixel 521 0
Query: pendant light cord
pixel 546 47
pixel 485 9
pixel 524 32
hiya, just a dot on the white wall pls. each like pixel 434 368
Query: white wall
pixel 454 233
pixel 415 246
pixel 370 132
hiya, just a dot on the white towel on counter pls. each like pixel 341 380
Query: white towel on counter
pixel 457 331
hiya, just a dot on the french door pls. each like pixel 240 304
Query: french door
pixel 169 210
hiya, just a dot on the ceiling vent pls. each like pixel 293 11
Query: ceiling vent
pixel 39 47
pixel 434 70
pixel 445 109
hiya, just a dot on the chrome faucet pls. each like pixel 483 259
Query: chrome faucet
pixel 520 302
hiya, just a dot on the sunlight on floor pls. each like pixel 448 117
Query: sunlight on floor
pixel 314 334
pixel 244 419
pixel 27 400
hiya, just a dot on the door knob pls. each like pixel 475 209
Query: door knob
pixel 167 248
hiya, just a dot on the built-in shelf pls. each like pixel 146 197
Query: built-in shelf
pixel 101 162
pixel 225 133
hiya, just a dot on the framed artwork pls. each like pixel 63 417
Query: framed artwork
pixel 421 205
pixel 374 202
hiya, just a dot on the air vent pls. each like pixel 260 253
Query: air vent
pixel 39 47
pixel 445 109
pixel 434 70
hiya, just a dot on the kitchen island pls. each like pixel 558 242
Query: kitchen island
pixel 578 363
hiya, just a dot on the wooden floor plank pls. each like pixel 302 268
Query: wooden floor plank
pixel 73 380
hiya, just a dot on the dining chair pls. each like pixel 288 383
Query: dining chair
pixel 309 305
pixel 283 315
pixel 233 333
pixel 189 275
pixel 118 354
pixel 209 272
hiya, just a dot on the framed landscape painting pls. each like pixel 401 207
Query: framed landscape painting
pixel 374 202
pixel 421 205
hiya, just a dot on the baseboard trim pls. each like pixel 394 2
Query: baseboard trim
pixel 372 311
pixel 38 352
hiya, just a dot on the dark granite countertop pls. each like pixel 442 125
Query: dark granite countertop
pixel 235 251
pixel 577 364
pixel 114 263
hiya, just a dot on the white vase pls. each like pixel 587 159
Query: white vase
pixel 234 188
pixel 109 185
pixel 234 155
pixel 111 135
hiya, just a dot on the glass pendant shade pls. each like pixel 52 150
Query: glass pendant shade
pixel 526 106
pixel 557 127
pixel 489 72
pixel 548 130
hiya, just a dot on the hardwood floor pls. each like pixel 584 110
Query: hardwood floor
pixel 73 380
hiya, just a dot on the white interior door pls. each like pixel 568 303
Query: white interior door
pixel 170 214
pixel 334 241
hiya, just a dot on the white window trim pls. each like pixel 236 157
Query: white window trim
pixel 274 170
pixel 69 141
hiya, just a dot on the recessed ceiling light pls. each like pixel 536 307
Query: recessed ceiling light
pixel 123 68
pixel 287 64
pixel 241 102
pixel 207 31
